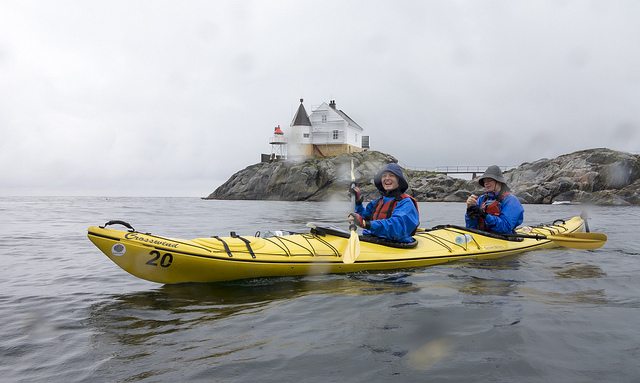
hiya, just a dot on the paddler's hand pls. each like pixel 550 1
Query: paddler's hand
pixel 472 200
pixel 475 212
pixel 358 220
pixel 356 191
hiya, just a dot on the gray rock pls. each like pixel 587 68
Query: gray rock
pixel 599 176
pixel 310 180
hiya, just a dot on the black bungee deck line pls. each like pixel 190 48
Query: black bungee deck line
pixel 226 247
pixel 246 242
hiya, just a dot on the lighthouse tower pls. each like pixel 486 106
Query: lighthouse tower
pixel 278 145
pixel 300 145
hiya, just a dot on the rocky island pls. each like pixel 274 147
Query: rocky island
pixel 597 176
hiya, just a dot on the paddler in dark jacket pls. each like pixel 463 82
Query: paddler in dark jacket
pixel 497 210
pixel 394 215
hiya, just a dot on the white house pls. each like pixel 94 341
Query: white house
pixel 328 131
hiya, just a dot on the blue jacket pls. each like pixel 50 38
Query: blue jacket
pixel 403 221
pixel 511 214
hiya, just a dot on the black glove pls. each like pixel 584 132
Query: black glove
pixel 475 212
pixel 359 221
pixel 356 191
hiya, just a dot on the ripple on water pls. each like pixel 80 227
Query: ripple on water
pixel 69 314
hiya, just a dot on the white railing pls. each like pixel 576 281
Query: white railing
pixel 278 139
pixel 328 138
pixel 457 169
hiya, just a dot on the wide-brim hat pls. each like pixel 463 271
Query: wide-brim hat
pixel 394 169
pixel 494 173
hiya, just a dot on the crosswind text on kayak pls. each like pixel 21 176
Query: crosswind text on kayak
pixel 150 240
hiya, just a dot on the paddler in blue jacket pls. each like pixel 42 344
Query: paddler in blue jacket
pixel 394 215
pixel 497 210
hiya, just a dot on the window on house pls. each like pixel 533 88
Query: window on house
pixel 335 134
pixel 305 135
pixel 324 118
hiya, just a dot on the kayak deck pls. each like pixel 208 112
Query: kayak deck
pixel 168 260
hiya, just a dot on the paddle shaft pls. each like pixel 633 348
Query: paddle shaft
pixel 353 247
pixel 578 240
pixel 539 237
pixel 578 236
pixel 353 195
pixel 586 241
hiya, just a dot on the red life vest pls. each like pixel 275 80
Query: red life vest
pixel 384 210
pixel 491 207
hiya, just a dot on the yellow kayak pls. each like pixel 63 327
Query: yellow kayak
pixel 320 251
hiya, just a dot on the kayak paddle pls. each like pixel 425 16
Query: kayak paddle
pixel 586 241
pixel 353 248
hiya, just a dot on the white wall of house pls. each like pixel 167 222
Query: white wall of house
pixel 354 136
pixel 328 127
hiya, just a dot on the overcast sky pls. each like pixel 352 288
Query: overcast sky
pixel 170 98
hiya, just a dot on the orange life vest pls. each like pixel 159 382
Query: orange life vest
pixel 491 207
pixel 384 209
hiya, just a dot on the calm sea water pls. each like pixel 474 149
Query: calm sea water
pixel 68 314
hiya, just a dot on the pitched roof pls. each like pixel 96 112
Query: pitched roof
pixel 347 118
pixel 301 118
pixel 332 105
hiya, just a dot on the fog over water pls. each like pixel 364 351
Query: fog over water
pixel 171 98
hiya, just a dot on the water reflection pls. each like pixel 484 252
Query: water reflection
pixel 138 317
pixel 500 282
pixel 488 277
pixel 489 287
pixel 512 262
pixel 580 271
pixel 591 296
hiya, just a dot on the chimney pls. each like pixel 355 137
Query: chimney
pixel 332 104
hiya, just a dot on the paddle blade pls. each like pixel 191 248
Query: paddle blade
pixel 586 241
pixel 353 247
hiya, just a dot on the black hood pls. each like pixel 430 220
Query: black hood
pixel 395 169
